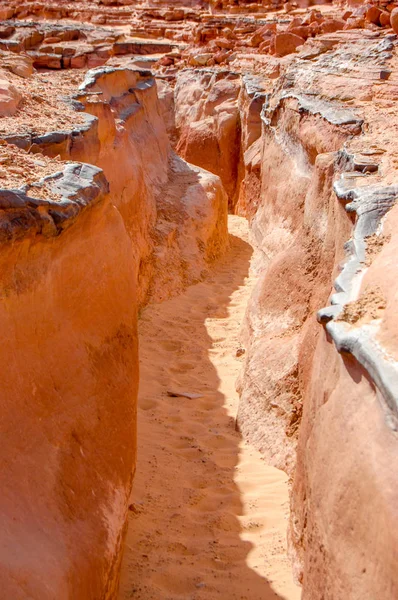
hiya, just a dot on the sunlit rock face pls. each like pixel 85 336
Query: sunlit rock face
pixel 68 316
pixel 207 119
pixel 83 248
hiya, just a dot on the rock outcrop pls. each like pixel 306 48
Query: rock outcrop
pixel 316 179
pixel 82 250
pixel 114 186
pixel 70 345
pixel 207 123
pixel 326 178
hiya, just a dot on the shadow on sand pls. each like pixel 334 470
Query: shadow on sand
pixel 184 537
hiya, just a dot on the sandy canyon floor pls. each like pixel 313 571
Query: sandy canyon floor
pixel 208 516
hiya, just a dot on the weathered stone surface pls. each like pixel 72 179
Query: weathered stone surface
pixel 53 423
pixel 394 20
pixel 10 98
pixel 207 119
pixel 20 64
pixel 286 43
pixel 286 111
pixel 154 216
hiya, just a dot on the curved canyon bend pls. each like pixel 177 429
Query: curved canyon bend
pixel 208 516
pixel 198 299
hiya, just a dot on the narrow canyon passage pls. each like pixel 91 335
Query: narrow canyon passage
pixel 208 516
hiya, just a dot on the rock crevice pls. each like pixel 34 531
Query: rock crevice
pixel 126 135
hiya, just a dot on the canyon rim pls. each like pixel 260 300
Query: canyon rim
pixel 198 297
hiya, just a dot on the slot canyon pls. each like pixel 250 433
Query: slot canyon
pixel 198 299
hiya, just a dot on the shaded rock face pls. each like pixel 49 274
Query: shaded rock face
pixel 9 98
pixel 149 173
pixel 299 256
pixel 314 197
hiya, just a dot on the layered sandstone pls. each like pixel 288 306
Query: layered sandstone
pixel 83 248
pixel 283 113
pixel 317 182
pixel 206 119
pixel 70 347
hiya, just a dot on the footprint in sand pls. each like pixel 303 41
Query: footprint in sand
pixel 172 582
pixel 180 549
pixel 182 367
pixel 171 345
pixel 148 404
pixel 215 441
pixel 175 418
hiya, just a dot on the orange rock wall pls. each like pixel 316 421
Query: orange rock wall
pixel 68 320
pixel 129 141
pixel 207 122
pixel 68 316
pixel 342 532
pixel 344 502
pixel 302 150
pixel 344 498
pixel 299 230
pixel 327 418
pixel 134 156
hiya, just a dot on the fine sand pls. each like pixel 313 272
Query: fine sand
pixel 208 517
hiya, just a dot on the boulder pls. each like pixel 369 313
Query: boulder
pixel 264 47
pixel 221 57
pixel 166 61
pixel 296 22
pixel 394 20
pixel 224 43
pixel 286 43
pixel 355 23
pixel 19 64
pixel 10 98
pixel 6 13
pixel 314 28
pixel 261 34
pixel 200 60
pixel 332 25
pixel 302 31
pixel 373 15
pixel 6 31
pixel 385 19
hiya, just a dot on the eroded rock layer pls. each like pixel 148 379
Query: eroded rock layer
pixel 83 248
pixel 126 130
pixel 316 178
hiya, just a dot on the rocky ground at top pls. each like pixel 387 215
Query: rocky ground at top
pixel 241 37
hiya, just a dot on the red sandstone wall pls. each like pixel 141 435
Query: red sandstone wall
pixel 207 122
pixel 342 535
pixel 344 502
pixel 68 315
pixel 300 231
pixel 150 185
pixel 68 321
pixel 344 515
pixel 343 520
